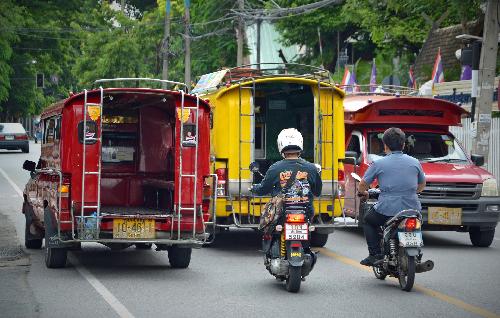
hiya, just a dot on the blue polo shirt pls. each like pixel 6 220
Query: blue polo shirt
pixel 398 176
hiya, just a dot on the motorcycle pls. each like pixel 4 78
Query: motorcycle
pixel 286 245
pixel 401 245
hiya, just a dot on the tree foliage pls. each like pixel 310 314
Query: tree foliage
pixel 76 42
pixel 375 29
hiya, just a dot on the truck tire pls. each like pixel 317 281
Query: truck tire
pixel 179 257
pixel 29 242
pixel 318 239
pixel 26 149
pixel 482 238
pixel 55 257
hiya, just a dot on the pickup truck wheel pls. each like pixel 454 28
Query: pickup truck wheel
pixel 55 257
pixel 179 257
pixel 26 149
pixel 481 238
pixel 30 243
pixel 318 239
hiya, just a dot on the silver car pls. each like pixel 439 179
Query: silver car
pixel 13 136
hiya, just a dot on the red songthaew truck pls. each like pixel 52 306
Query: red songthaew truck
pixel 121 167
pixel 459 196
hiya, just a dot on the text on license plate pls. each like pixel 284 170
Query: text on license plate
pixel 133 228
pixel 444 215
pixel 410 239
pixel 9 137
pixel 296 232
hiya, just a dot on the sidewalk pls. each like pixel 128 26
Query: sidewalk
pixel 16 297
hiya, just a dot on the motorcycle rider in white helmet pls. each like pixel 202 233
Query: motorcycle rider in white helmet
pixel 307 182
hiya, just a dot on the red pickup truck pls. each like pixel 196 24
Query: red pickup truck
pixel 459 196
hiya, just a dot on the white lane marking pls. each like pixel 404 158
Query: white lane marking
pixel 497 239
pixel 9 180
pixel 119 308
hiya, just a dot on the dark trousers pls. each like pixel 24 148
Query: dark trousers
pixel 373 235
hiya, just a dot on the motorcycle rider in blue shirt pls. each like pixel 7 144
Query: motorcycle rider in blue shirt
pixel 400 177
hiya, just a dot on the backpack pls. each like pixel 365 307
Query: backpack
pixel 274 208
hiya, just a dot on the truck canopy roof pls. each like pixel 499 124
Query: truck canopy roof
pixel 137 96
pixel 387 109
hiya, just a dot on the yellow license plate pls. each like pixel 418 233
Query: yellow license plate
pixel 133 228
pixel 446 216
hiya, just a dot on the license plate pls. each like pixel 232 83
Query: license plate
pixel 296 232
pixel 9 137
pixel 410 239
pixel 133 228
pixel 446 216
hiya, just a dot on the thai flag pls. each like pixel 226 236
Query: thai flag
pixel 349 81
pixel 466 73
pixel 437 71
pixel 411 80
pixel 373 78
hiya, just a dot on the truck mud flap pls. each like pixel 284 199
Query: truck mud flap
pixel 52 238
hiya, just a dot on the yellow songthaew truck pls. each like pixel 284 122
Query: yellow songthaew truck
pixel 251 105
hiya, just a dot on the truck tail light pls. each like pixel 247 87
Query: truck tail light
pixel 221 182
pixel 341 175
pixel 22 137
pixel 64 193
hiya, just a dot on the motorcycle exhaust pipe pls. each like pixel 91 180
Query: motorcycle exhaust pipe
pixel 425 266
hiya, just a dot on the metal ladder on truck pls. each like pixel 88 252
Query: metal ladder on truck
pixel 94 232
pixel 251 219
pixel 182 175
pixel 329 140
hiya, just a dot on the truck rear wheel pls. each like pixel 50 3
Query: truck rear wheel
pixel 482 238
pixel 318 239
pixel 55 257
pixel 179 257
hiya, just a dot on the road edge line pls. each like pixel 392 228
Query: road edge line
pixel 429 292
pixel 117 306
pixel 9 180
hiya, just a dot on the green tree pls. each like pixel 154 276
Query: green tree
pixel 11 16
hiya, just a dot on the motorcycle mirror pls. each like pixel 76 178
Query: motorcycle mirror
pixel 254 166
pixel 356 176
pixel 318 167
pixel 29 165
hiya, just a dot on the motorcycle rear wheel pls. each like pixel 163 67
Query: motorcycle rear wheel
pixel 406 275
pixel 379 272
pixel 294 279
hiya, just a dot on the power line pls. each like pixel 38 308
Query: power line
pixel 279 13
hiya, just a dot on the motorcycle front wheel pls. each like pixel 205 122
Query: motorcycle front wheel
pixel 406 269
pixel 294 279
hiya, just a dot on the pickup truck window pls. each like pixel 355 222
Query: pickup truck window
pixel 425 146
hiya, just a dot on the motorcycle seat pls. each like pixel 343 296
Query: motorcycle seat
pixel 403 214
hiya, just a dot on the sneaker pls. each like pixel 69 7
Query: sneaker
pixel 370 260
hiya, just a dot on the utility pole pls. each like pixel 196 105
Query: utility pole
pixel 481 137
pixel 187 45
pixel 166 44
pixel 258 26
pixel 240 33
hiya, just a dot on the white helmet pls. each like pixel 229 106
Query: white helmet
pixel 290 139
